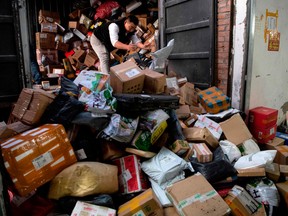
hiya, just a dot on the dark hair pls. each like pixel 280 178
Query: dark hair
pixel 133 19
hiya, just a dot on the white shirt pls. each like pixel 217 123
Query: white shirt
pixel 113 33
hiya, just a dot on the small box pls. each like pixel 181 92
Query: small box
pixel 203 153
pixel 36 156
pixel 90 59
pixel 283 190
pixel 214 100
pixel 264 135
pixel 240 202
pixel 31 105
pixel 45 40
pixel 282 155
pixel 79 55
pixel 146 203
pixel 130 175
pixel 189 94
pixel 180 147
pixel 271 144
pixel 192 119
pixel 283 170
pixel 83 208
pixel 48 17
pixel 262 117
pixel 154 82
pixel 73 24
pixel 195 194
pixel 62 46
pixel 183 112
pixel 49 27
pixel 127 77
pixel 251 172
pixel 273 171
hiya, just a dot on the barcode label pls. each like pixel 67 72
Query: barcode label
pixel 42 160
pixel 133 72
pixel 127 175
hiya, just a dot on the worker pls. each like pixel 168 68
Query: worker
pixel 115 35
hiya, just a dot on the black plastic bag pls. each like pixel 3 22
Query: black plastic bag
pixel 86 119
pixel 216 170
pixel 69 86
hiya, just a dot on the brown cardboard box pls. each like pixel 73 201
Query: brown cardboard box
pixel 146 203
pixel 191 120
pixel 189 94
pixel 273 171
pixel 283 189
pixel 154 82
pixel 273 143
pixel 170 211
pixel 45 40
pixel 79 55
pixel 31 105
pixel 183 112
pixel 49 27
pixel 36 156
pixel 127 77
pixel 200 135
pixel 48 17
pixel 235 130
pixel 72 24
pixel 283 170
pixel 203 153
pixel 62 46
pixel 90 59
pixel 10 130
pixel 195 194
pixel 52 54
pixel 240 202
pixel 251 172
pixel 196 109
pixel 282 155
pixel 180 147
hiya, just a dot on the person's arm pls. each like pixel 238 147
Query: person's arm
pixel 139 44
pixel 113 33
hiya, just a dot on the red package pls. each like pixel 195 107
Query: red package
pixel 105 9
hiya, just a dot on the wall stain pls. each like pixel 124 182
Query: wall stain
pixel 257 76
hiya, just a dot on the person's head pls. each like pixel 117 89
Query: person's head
pixel 131 23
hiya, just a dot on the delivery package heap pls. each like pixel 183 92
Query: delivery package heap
pixel 136 141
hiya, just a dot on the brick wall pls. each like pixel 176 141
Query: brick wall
pixel 223 43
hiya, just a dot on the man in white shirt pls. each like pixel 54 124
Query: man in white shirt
pixel 115 35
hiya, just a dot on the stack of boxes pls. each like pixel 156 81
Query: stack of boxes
pixel 263 123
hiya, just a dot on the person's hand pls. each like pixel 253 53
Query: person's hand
pixel 131 47
pixel 147 45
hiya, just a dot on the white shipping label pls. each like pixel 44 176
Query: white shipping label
pixel 133 72
pixel 42 160
pixel 43 36
pixel 167 159
pixel 81 154
pixel 127 175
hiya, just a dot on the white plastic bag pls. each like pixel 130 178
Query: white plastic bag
pixel 254 160
pixel 250 146
pixel 230 150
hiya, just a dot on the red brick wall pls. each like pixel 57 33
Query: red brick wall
pixel 223 43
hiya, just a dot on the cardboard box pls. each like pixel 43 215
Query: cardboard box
pixel 271 144
pixel 203 153
pixel 62 46
pixel 200 135
pixel 146 203
pixel 273 171
pixel 283 170
pixel 214 100
pixel 130 175
pixel 196 109
pixel 170 211
pixel 240 202
pixel 127 77
pixel 189 94
pixel 72 24
pixel 52 54
pixel 87 209
pixel 49 27
pixel 180 147
pixel 10 130
pixel 192 119
pixel 79 55
pixel 183 112
pixel 90 59
pixel 48 17
pixel 154 82
pixel 211 125
pixel 251 172
pixel 235 130
pixel 283 189
pixel 195 194
pixel 45 40
pixel 282 155
pixel 36 156
pixel 262 117
pixel 31 105
pixel 264 135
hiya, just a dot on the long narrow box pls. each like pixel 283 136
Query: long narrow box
pixel 36 156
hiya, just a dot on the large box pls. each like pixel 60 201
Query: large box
pixel 45 40
pixel 154 82
pixel 264 135
pixel 131 177
pixel 31 105
pixel 214 100
pixel 10 130
pixel 196 195
pixel 127 77
pixel 146 203
pixel 262 117
pixel 36 156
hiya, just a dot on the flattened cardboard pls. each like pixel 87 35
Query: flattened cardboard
pixel 235 130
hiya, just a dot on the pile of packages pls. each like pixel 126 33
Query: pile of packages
pixel 138 142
